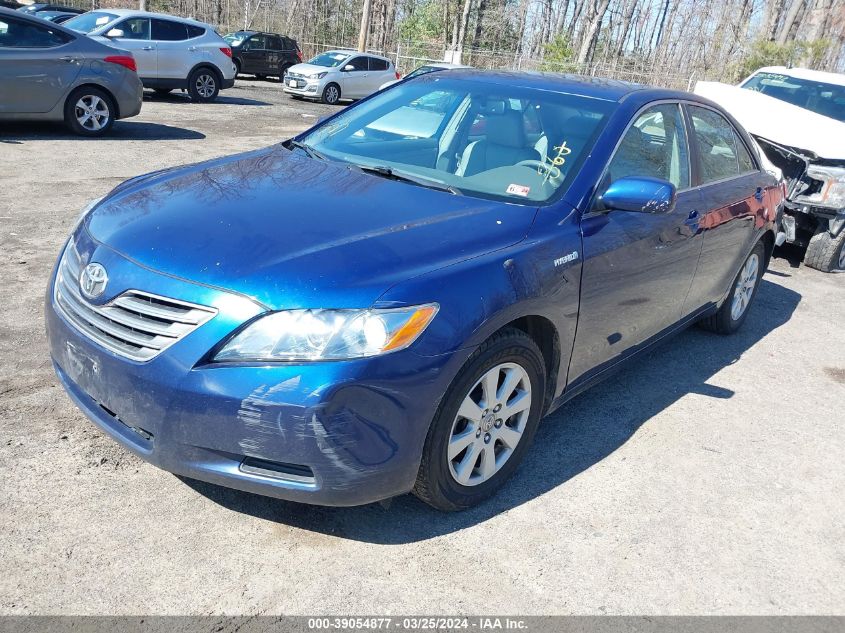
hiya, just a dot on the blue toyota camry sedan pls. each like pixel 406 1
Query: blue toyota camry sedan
pixel 392 300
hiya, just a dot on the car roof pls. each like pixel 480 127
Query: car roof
pixel 594 87
pixel 805 73
pixel 351 52
pixel 124 13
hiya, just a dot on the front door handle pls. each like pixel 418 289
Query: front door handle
pixel 68 59
pixel 192 48
pixel 148 48
pixel 692 219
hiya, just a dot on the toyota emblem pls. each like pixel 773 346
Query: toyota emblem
pixel 93 280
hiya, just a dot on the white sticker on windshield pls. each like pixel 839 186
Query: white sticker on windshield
pixel 518 190
pixel 103 20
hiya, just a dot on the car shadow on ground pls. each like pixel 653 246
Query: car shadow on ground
pixel 178 96
pixel 578 435
pixel 17 133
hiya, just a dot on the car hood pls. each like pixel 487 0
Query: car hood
pixel 295 232
pixel 778 121
pixel 309 69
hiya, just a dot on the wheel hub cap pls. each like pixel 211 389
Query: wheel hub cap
pixel 489 424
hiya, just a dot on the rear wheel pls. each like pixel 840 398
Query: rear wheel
pixel 203 85
pixel 826 253
pixel 734 310
pixel 282 70
pixel 331 94
pixel 237 67
pixel 485 423
pixel 261 77
pixel 89 111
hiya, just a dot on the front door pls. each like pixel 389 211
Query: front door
pixel 637 267
pixel 38 67
pixel 253 53
pixel 355 74
pixel 137 40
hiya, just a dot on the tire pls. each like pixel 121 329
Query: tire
pixel 282 70
pixel 826 253
pixel 237 67
pixel 162 92
pixel 508 355
pixel 203 85
pixel 96 104
pixel 730 316
pixel 331 94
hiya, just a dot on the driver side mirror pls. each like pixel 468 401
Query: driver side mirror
pixel 348 68
pixel 115 33
pixel 639 194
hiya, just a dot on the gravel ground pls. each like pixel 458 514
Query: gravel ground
pixel 706 478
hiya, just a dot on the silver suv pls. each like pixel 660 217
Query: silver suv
pixel 336 75
pixel 170 52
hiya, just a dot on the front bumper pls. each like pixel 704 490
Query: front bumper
pixel 311 89
pixel 334 433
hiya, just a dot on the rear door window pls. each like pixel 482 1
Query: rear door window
pixel 378 64
pixel 167 31
pixel 721 152
pixel 274 43
pixel 23 34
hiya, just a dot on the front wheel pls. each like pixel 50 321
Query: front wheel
pixel 203 85
pixel 733 312
pixel 484 424
pixel 826 253
pixel 331 94
pixel 89 111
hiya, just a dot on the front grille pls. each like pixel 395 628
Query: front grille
pixel 136 324
pixel 294 75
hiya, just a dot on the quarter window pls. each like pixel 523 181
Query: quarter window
pixel 135 29
pixel 721 152
pixel 654 146
pixel 195 31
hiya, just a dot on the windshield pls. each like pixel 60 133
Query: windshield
pixel 816 96
pixel 90 21
pixel 488 140
pixel 329 60
pixel 235 39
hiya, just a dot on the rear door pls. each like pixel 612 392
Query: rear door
pixel 637 267
pixel 176 56
pixel 39 65
pixel 379 74
pixel 733 190
pixel 136 39
pixel 275 54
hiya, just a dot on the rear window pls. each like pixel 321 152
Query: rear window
pixel 88 22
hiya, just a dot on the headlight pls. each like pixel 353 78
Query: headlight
pixel 84 212
pixel 832 191
pixel 307 335
pixel 321 75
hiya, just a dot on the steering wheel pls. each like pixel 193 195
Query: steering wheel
pixel 552 172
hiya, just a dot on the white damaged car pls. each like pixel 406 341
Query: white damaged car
pixel 797 116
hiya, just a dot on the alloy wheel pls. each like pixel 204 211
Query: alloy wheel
pixel 205 85
pixel 842 257
pixel 92 113
pixel 745 285
pixel 489 424
pixel 331 94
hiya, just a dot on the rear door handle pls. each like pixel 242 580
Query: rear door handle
pixel 692 219
pixel 148 48
pixel 68 59
pixel 759 194
pixel 192 48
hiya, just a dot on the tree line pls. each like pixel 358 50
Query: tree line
pixel 666 42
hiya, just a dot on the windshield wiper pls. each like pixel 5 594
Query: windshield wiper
pixel 313 153
pixel 392 174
